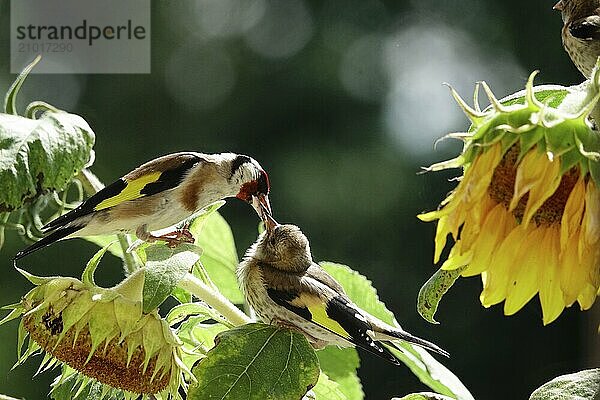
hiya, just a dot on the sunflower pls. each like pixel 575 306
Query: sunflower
pixel 100 337
pixel 525 215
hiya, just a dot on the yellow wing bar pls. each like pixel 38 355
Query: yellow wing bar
pixel 320 317
pixel 131 191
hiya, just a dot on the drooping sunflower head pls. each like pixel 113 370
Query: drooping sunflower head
pixel 102 334
pixel 526 212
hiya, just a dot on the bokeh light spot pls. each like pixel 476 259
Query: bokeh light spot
pixel 283 31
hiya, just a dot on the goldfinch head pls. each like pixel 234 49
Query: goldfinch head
pixel 576 9
pixel 284 247
pixel 253 182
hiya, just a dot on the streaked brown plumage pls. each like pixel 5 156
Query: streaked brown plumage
pixel 286 287
pixel 581 32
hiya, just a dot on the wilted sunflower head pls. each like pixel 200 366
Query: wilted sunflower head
pixel 526 212
pixel 101 333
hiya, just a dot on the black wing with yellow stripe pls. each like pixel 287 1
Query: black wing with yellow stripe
pixel 337 316
pixel 156 176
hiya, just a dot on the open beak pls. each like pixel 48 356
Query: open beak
pixel 263 208
pixel 559 6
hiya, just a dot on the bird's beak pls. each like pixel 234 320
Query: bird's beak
pixel 559 6
pixel 270 223
pixel 261 204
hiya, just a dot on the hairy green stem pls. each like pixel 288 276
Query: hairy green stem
pixel 214 299
pixel 3 220
pixel 91 185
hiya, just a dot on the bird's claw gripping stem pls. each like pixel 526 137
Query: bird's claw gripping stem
pixel 172 239
pixel 175 238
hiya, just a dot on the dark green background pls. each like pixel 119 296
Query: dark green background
pixel 316 120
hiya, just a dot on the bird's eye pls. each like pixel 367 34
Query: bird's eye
pixel 262 184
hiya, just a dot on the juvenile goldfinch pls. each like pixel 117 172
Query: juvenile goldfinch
pixel 285 287
pixel 161 193
pixel 581 32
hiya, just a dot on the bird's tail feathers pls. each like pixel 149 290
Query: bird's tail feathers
pixel 379 349
pixel 61 221
pixel 391 335
pixel 59 233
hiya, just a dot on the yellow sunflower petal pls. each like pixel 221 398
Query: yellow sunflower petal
pixel 445 208
pixel 430 216
pixel 551 296
pixel 591 218
pixel 441 236
pixel 573 212
pixel 497 224
pixel 573 275
pixel 530 173
pixel 525 271
pixel 587 297
pixel 588 263
pixel 472 221
pixel 542 190
pixel 456 259
pixel 479 175
pixel 497 275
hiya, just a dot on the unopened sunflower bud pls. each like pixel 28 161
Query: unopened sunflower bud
pixel 102 333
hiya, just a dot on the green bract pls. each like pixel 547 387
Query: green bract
pixel 553 118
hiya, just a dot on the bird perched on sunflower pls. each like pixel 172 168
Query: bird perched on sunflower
pixel 159 194
pixel 581 32
pixel 286 287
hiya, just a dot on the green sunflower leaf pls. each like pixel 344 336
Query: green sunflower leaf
pixel 40 155
pixel 326 389
pixel 431 372
pixel 206 334
pixel 424 396
pixel 219 254
pixel 165 267
pixel 341 366
pixel 360 290
pixel 181 295
pixel 256 361
pixel 582 385
pixel 182 311
pixel 433 290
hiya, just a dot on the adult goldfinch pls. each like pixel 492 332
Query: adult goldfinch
pixel 161 193
pixel 285 287
pixel 581 32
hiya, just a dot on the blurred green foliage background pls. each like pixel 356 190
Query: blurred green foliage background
pixel 341 101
